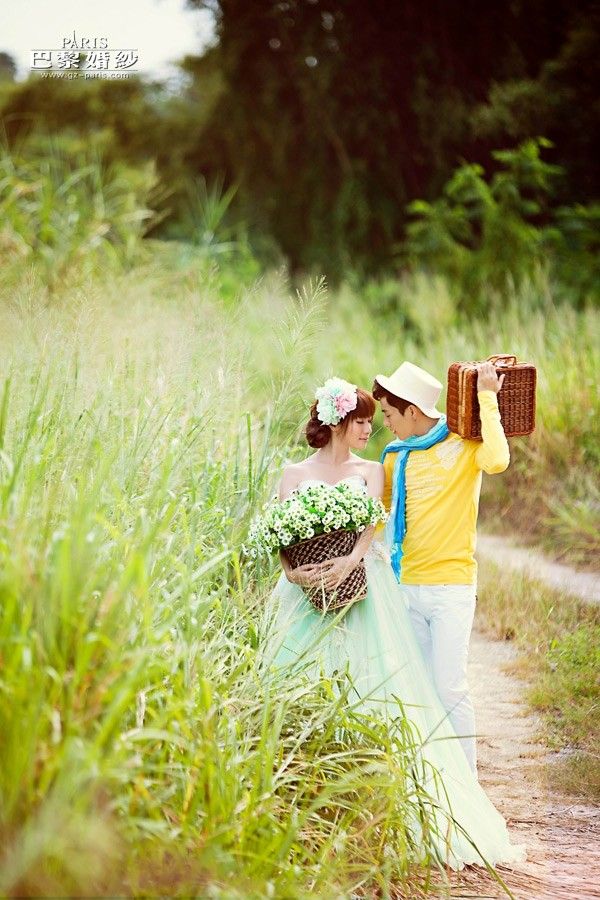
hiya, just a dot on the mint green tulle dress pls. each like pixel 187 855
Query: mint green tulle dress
pixel 375 642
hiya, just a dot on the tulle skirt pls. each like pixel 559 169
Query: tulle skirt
pixel 374 642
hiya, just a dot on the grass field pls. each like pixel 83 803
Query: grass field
pixel 144 416
pixel 558 638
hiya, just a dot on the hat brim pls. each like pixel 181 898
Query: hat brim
pixel 388 385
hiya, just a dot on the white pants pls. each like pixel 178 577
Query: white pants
pixel 442 616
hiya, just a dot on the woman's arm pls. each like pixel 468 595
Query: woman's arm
pixel 335 570
pixel 375 478
pixel 289 481
pixel 302 575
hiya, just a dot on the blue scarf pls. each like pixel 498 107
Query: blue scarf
pixel 396 524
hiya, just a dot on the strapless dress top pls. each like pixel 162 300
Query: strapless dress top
pixel 351 479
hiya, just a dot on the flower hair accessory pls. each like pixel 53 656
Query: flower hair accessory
pixel 335 399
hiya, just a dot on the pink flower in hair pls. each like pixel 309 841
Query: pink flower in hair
pixel 336 398
pixel 345 403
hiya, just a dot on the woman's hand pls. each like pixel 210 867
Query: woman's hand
pixel 307 575
pixel 333 571
pixel 328 574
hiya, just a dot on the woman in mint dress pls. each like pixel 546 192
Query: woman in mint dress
pixel 373 639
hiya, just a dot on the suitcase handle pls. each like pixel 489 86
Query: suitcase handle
pixel 503 356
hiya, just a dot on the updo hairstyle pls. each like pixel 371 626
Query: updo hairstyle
pixel 319 435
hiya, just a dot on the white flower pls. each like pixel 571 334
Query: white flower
pixel 314 510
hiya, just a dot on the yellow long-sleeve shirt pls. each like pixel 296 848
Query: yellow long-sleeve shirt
pixel 443 485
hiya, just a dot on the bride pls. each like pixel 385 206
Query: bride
pixel 373 638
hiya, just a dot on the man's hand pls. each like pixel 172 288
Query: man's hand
pixel 487 379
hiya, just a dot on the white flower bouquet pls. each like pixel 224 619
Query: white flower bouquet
pixel 311 511
pixel 314 524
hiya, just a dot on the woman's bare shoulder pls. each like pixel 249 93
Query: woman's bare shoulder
pixel 297 468
pixel 291 476
pixel 373 466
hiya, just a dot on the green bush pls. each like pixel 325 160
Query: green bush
pixel 574 243
pixel 492 236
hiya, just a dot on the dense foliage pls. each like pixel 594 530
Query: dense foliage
pixel 335 116
pixel 331 119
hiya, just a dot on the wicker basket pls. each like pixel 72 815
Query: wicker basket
pixel 323 547
pixel 516 399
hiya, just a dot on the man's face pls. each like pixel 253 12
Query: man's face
pixel 402 424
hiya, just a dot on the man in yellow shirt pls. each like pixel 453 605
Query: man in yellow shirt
pixel 432 487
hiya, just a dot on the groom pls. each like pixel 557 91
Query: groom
pixel 432 486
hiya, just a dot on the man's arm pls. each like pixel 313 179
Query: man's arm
pixel 493 456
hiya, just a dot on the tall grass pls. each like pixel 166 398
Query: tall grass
pixel 145 747
pixel 71 213
pixel 142 420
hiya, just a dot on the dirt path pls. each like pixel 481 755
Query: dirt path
pixel 502 550
pixel 562 837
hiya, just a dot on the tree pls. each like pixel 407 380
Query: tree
pixel 8 67
pixel 332 118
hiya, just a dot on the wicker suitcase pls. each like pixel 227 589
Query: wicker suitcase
pixel 516 399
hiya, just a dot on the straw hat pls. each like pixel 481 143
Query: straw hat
pixel 411 383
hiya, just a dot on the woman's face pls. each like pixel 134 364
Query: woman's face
pixel 358 432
